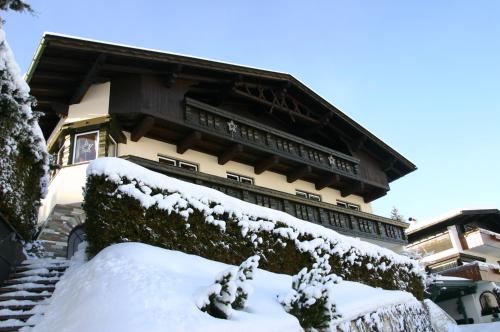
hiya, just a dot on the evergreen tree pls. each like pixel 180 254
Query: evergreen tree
pixel 311 300
pixel 395 215
pixel 23 155
pixel 217 299
pixel 15 5
pixel 245 272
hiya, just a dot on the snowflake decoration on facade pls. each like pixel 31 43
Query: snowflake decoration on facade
pixel 232 127
pixel 331 160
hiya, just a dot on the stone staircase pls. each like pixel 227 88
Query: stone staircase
pixel 27 290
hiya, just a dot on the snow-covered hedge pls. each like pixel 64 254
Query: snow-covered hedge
pixel 125 202
pixel 23 156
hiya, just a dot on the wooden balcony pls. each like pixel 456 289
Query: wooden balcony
pixel 343 220
pixel 233 137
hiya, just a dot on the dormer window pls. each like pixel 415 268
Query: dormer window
pixel 85 147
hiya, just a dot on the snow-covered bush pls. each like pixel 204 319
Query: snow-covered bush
pixel 218 298
pixel 311 299
pixel 128 203
pixel 243 289
pixel 23 155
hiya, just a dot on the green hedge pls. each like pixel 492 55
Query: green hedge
pixel 113 217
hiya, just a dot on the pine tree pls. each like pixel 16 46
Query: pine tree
pixel 395 215
pixel 245 272
pixel 311 300
pixel 217 299
pixel 15 5
pixel 23 155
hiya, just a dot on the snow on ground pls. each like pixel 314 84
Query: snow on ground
pixel 137 287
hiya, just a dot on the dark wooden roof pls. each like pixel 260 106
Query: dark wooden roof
pixel 64 67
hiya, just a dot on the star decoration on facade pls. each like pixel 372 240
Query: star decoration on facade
pixel 232 127
pixel 331 160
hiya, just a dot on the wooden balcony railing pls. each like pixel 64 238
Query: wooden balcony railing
pixel 343 220
pixel 215 121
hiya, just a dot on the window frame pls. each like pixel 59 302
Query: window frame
pixel 239 178
pixel 180 163
pixel 347 205
pixel 75 140
pixel 308 195
pixel 116 146
pixel 169 159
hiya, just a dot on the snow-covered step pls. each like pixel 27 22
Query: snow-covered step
pixel 31 287
pixel 37 261
pixel 12 325
pixel 41 281
pixel 25 295
pixel 44 274
pixel 39 269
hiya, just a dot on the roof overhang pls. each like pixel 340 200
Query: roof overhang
pixel 64 66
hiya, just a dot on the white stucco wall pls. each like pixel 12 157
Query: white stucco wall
pixel 94 104
pixel 150 149
pixel 65 188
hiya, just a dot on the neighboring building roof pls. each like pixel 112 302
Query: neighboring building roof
pixel 452 218
pixel 62 65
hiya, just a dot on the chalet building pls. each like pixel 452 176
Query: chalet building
pixel 464 249
pixel 257 135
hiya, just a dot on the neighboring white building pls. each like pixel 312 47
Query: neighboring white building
pixel 463 247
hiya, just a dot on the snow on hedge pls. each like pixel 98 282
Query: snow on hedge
pixel 137 287
pixel 250 217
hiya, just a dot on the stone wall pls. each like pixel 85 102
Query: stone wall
pixel 56 229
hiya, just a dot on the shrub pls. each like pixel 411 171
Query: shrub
pixel 125 202
pixel 217 299
pixel 311 300
pixel 23 156
pixel 245 273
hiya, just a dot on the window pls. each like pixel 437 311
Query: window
pixel 178 163
pixel 188 166
pixel 312 197
pixel 168 161
pixel 489 303
pixel 239 178
pixel 85 147
pixel 112 147
pixel 58 161
pixel 348 205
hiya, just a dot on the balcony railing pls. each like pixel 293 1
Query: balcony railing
pixel 343 220
pixel 241 130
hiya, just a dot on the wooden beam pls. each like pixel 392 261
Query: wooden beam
pixel 142 128
pixel 117 132
pixel 60 109
pixel 327 181
pixel 188 142
pixel 229 154
pixel 266 164
pixel 352 188
pixel 358 144
pixel 170 78
pixel 376 193
pixel 298 173
pixel 88 80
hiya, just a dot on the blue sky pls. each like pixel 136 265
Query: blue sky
pixel 424 76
